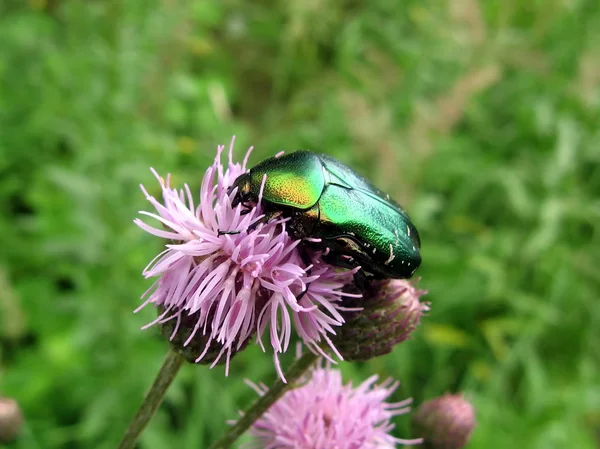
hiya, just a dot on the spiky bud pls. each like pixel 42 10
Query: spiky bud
pixel 445 422
pixel 391 311
pixel 11 420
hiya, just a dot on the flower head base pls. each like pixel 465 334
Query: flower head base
pixel 324 413
pixel 445 422
pixel 222 278
pixel 391 312
pixel 11 420
pixel 197 350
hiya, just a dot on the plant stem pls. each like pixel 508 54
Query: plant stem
pixel 263 403
pixel 153 398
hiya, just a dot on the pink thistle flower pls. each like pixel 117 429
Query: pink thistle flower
pixel 235 284
pixel 325 414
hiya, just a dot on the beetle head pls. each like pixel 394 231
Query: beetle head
pixel 244 190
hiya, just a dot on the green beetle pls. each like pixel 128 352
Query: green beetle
pixel 356 224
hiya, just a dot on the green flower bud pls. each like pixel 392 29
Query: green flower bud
pixel 445 422
pixel 391 310
pixel 11 420
pixel 195 350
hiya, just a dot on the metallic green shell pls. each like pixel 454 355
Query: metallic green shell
pixel 327 200
pixel 294 180
pixel 372 230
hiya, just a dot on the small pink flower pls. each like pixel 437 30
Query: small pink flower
pixel 239 283
pixel 326 414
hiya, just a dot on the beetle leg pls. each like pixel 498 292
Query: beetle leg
pixel 220 233
pixel 246 208
pixel 303 252
pixel 301 295
pixel 264 219
pixel 362 280
pixel 333 258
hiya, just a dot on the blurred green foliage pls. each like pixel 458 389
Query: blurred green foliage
pixel 480 116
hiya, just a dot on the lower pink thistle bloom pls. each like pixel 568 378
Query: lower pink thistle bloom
pixel 326 414
pixel 237 283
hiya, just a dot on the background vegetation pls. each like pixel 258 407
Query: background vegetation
pixel 480 117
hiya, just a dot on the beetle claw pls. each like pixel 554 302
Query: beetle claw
pixel 301 295
pixel 220 233
pixel 264 219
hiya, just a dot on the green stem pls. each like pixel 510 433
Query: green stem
pixel 153 398
pixel 263 403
